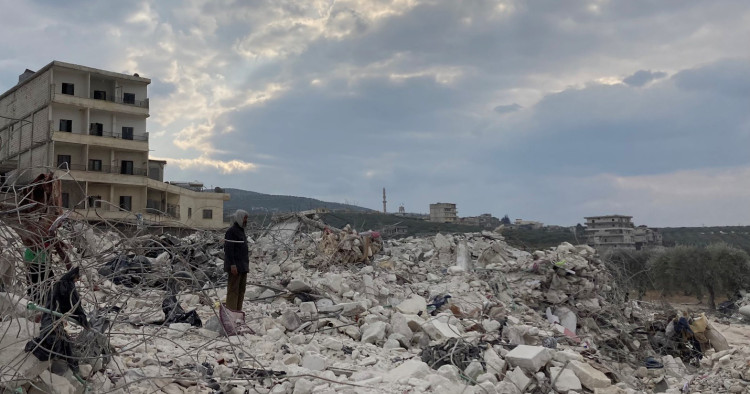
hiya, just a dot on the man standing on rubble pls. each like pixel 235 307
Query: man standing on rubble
pixel 236 260
pixel 38 236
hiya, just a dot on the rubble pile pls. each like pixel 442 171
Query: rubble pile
pixel 336 311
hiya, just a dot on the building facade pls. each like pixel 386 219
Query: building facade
pixel 443 213
pixel 485 220
pixel 529 224
pixel 89 127
pixel 611 231
pixel 645 237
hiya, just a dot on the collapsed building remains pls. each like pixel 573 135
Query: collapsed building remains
pixel 339 311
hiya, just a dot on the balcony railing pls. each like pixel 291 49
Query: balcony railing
pixel 122 100
pixel 120 136
pixel 104 169
pixel 135 137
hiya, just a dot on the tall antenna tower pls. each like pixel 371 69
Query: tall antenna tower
pixel 384 210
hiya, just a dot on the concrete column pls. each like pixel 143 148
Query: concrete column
pixel 88 86
pixel 86 157
pixel 112 198
pixel 144 193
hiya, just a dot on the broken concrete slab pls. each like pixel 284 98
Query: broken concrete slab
pixel 564 380
pixel 518 378
pixel 438 329
pixel 530 358
pixel 494 363
pixel 374 333
pixel 412 305
pixel 590 377
pixel 409 369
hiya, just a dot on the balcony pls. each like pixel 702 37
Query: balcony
pixel 121 136
pixel 105 169
pixel 121 100
pixel 107 140
pixel 104 103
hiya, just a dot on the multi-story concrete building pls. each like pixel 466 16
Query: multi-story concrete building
pixel 618 231
pixel 89 127
pixel 443 213
pixel 612 231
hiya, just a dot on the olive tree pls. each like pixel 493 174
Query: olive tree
pixel 713 270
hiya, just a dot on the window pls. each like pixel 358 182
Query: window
pixel 96 129
pixel 66 200
pixel 66 125
pixel 95 165
pixel 100 95
pixel 208 214
pixel 95 201
pixel 126 202
pixel 128 98
pixel 68 88
pixel 190 212
pixel 126 167
pixel 63 161
pixel 127 133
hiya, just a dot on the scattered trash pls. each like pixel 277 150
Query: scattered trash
pixel 175 314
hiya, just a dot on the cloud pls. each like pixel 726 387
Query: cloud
pixel 506 109
pixel 490 104
pixel 204 163
pixel 699 197
pixel 642 77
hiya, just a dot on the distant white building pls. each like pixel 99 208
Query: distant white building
pixel 90 125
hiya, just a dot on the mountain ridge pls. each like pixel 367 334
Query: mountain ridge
pixel 256 202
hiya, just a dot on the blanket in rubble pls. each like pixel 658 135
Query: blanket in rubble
pixel 53 341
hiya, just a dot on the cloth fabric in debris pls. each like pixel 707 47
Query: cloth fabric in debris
pixel 53 341
pixel 231 321
pixel 38 273
pixel 126 271
pixel 175 314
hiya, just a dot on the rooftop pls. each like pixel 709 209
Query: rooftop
pixel 57 63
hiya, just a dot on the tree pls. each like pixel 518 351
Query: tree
pixel 505 220
pixel 714 269
pixel 630 269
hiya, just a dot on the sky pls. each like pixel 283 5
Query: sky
pixel 543 110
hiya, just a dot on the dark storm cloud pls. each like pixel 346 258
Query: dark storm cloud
pixel 506 109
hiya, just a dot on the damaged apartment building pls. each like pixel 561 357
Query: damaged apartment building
pixel 618 231
pixel 89 127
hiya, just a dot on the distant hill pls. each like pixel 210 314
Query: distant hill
pixel 254 202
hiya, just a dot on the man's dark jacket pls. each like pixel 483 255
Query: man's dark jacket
pixel 235 250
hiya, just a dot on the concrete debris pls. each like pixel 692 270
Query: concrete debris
pixel 590 377
pixel 564 380
pixel 339 311
pixel 530 358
